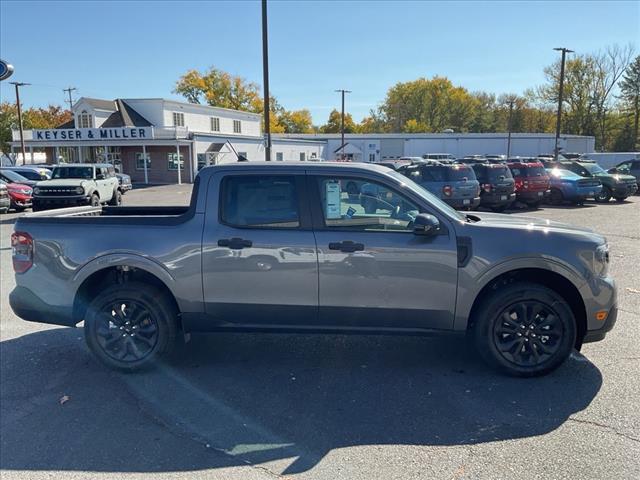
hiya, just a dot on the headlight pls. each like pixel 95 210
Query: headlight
pixel 36 191
pixel 601 260
pixel 80 190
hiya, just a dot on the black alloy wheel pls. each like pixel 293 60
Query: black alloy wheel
pixel 528 333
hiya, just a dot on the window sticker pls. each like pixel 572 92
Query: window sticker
pixel 350 212
pixel 332 200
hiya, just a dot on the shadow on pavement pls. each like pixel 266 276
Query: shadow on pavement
pixel 238 399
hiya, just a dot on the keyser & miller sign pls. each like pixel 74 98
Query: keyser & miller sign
pixel 75 134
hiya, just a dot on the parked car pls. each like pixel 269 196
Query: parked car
pixel 630 167
pixel 455 184
pixel 531 180
pixel 124 181
pixel 395 164
pixel 618 186
pixel 496 158
pixel 5 201
pixel 497 187
pixel 78 184
pixel 9 176
pixel 31 173
pixel 441 157
pixel 567 186
pixel 19 195
pixel 527 291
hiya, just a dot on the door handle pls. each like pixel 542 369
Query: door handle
pixel 235 243
pixel 347 246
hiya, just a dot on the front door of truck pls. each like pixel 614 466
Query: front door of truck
pixel 259 257
pixel 374 272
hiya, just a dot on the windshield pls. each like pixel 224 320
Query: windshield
pixel 13 176
pixel 73 172
pixel 560 173
pixel 594 169
pixel 424 193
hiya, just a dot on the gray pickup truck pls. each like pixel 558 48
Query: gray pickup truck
pixel 285 248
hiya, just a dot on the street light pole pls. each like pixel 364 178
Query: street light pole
pixel 24 151
pixel 560 92
pixel 265 73
pixel 509 129
pixel 342 123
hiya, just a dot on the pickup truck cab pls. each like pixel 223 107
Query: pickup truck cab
pixel 78 184
pixel 283 248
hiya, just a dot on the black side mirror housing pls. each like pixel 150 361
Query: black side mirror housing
pixel 426 225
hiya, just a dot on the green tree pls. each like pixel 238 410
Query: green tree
pixel 333 125
pixel 630 95
pixel 296 121
pixel 37 118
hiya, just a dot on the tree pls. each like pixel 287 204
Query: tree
pixel 36 118
pixel 219 89
pixel 374 123
pixel 334 124
pixel 630 94
pixel 296 121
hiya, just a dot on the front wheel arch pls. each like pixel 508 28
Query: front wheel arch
pixel 547 278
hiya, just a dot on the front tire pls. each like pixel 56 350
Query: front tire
pixel 620 199
pixel 129 326
pixel 524 329
pixel 556 197
pixel 604 196
pixel 95 200
pixel 116 199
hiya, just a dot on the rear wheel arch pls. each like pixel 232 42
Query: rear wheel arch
pixel 550 279
pixel 113 275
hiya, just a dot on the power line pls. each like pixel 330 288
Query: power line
pixel 69 90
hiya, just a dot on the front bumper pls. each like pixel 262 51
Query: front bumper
pixel 463 202
pixel 601 333
pixel 624 190
pixel 601 295
pixel 28 306
pixel 66 201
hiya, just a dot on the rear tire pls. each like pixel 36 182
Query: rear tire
pixel 604 196
pixel 556 197
pixel 524 329
pixel 129 326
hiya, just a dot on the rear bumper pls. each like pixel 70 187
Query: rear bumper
pixel 497 199
pixel 532 196
pixel 28 306
pixel 462 202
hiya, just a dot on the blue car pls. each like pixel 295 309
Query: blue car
pixel 567 186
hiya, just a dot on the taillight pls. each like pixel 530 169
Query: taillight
pixel 525 184
pixel 486 187
pixel 22 251
pixel 447 190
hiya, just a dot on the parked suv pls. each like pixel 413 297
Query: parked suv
pixel 31 172
pixel 455 184
pixel 78 184
pixel 630 167
pixel 531 180
pixel 567 186
pixel 618 186
pixel 497 187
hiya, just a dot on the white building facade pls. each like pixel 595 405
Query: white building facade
pixel 376 147
pixel 157 140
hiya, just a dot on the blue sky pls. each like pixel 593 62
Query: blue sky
pixel 139 49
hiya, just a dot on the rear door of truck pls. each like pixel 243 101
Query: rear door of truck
pixel 259 258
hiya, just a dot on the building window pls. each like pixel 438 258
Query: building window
pixel 237 126
pixel 178 119
pixel 372 146
pixel 85 120
pixel 372 157
pixel 302 156
pixel 215 124
pixel 279 156
pixel 140 160
pixel 173 161
pixel 242 155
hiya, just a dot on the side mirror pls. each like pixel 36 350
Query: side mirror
pixel 426 225
pixel 99 176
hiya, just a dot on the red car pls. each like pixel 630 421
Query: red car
pixel 532 181
pixel 20 196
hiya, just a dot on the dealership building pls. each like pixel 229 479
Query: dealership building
pixel 165 141
pixel 160 141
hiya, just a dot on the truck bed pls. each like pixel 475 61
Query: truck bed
pixel 111 215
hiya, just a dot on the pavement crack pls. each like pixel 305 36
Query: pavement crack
pixel 605 427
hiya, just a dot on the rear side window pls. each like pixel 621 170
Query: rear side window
pixel 535 172
pixel 260 201
pixel 498 173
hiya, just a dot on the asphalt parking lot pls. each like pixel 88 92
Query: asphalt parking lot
pixel 244 406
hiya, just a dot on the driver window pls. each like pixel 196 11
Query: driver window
pixel 361 205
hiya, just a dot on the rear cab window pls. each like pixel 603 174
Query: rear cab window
pixel 257 201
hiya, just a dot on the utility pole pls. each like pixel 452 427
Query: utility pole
pixel 509 128
pixel 342 92
pixel 69 90
pixel 265 73
pixel 24 151
pixel 560 91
